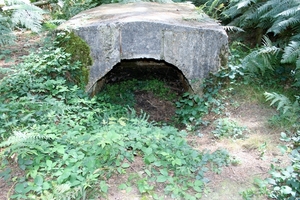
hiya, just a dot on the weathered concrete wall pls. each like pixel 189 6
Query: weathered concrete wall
pixel 173 32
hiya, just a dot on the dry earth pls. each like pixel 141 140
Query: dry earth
pixel 224 186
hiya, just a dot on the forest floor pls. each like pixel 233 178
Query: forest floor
pixel 253 155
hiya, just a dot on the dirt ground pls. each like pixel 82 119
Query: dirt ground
pixel 24 44
pixel 253 154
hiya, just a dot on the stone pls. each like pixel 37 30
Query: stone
pixel 176 33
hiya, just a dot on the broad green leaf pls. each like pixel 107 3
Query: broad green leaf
pixel 147 151
pixel 149 159
pixel 287 190
pixel 20 187
pixel 49 163
pixel 148 172
pixel 125 165
pixel 161 179
pixel 103 186
pixel 122 186
pixel 38 180
pixel 46 186
pixel 164 172
pixel 198 183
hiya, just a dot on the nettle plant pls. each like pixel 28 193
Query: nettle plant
pixel 68 145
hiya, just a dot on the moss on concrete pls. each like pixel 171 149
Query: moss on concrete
pixel 80 51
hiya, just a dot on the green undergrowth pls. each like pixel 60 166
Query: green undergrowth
pixel 192 108
pixel 270 86
pixel 123 93
pixel 68 144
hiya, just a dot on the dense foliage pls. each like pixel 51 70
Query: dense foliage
pixel 67 144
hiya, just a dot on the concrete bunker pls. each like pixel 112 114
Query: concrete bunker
pixel 173 33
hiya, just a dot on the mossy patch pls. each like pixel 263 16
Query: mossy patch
pixel 80 51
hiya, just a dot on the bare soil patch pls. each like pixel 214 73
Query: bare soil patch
pixel 254 154
pixel 25 43
pixel 157 108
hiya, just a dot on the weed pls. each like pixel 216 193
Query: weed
pixel 6 55
pixel 262 150
pixel 248 194
pixel 235 161
pixel 227 128
pixel 285 182
pixel 191 107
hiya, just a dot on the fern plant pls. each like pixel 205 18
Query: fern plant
pixel 290 110
pixel 6 36
pixel 262 59
pixel 213 7
pixel 280 20
pixel 292 55
pixel 18 13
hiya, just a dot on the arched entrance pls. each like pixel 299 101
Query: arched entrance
pixel 147 71
pixel 142 69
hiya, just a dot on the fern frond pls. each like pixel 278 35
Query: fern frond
pixel 253 15
pixel 29 16
pixel 266 41
pixel 21 138
pixel 282 24
pixel 233 29
pixel 290 12
pixel 291 52
pixel 244 3
pixel 232 11
pixel 283 102
pixel 276 8
pixel 269 5
pixel 25 14
pixel 261 59
pixel 6 34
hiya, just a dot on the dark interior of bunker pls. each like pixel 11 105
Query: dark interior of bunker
pixel 158 108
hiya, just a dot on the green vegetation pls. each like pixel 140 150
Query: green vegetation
pixel 80 51
pixel 18 14
pixel 122 93
pixel 68 145
pixel 192 108
pixel 228 128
